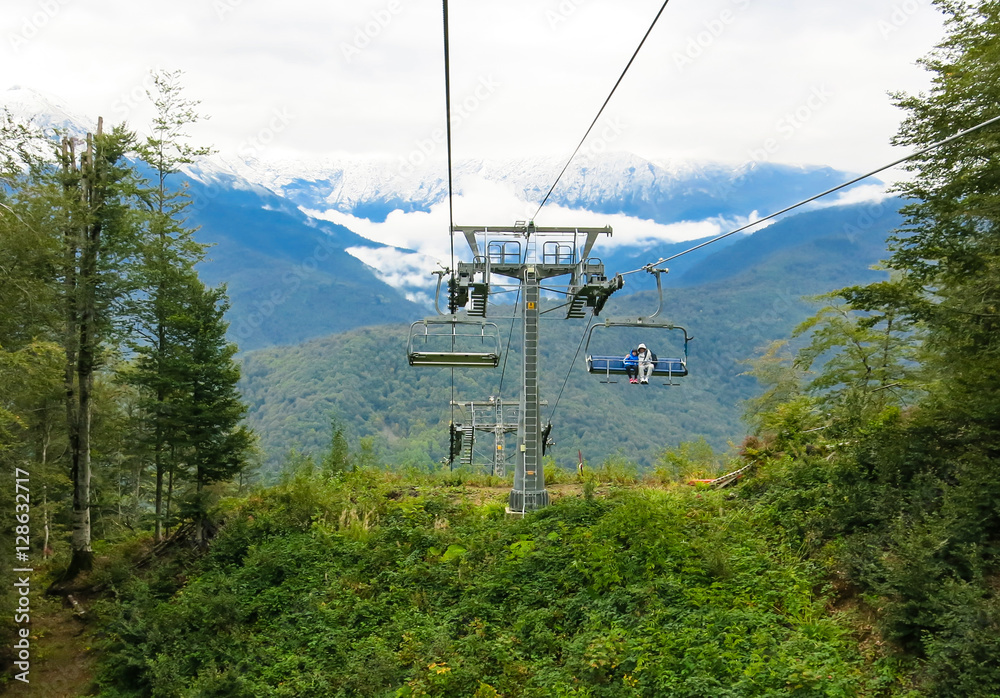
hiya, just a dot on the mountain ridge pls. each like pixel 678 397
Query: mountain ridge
pixel 293 276
pixel 294 392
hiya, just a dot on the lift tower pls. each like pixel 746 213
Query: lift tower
pixel 530 255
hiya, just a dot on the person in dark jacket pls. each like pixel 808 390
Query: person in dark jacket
pixel 631 362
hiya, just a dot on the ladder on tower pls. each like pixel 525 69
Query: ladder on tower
pixel 468 437
pixel 576 306
pixel 478 294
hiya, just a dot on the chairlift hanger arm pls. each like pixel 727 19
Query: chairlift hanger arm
pixel 659 290
pixel 440 274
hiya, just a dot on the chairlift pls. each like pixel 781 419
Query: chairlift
pixel 450 341
pixel 608 366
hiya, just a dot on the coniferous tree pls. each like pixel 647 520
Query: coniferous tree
pixel 950 245
pixel 169 256
pixel 32 418
pixel 215 445
pixel 916 495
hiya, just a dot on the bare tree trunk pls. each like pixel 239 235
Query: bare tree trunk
pixel 134 516
pixel 82 553
pixel 200 537
pixel 46 551
pixel 158 506
pixel 72 240
pixel 44 461
pixel 161 339
pixel 86 314
pixel 170 489
pixel 80 474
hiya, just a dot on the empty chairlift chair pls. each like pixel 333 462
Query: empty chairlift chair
pixel 446 341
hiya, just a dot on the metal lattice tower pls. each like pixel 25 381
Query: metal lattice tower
pixel 488 430
pixel 530 255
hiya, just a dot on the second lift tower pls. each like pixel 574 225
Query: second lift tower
pixel 531 255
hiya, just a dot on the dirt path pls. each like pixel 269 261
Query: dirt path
pixel 62 665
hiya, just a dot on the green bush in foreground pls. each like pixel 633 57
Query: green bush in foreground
pixel 370 587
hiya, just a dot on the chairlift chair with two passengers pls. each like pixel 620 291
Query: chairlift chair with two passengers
pixel 607 366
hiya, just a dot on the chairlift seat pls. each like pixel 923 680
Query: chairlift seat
pixel 616 365
pixel 453 358
pixel 453 342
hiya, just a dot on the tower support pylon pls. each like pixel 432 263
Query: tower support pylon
pixel 532 254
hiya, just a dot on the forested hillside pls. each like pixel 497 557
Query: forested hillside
pixel 737 301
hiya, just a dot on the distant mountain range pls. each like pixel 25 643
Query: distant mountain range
pixel 296 279
pixel 734 302
pixel 292 276
pixel 610 183
pixel 289 276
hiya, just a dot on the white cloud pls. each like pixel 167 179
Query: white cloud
pixel 863 194
pixel 756 62
pixel 395 267
pixel 495 204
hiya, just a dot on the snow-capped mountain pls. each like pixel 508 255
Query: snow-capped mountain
pixel 312 248
pixel 609 183
pixel 45 112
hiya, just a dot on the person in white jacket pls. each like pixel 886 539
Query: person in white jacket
pixel 646 363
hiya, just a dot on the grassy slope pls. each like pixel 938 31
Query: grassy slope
pixel 378 586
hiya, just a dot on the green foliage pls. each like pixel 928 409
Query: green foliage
pixel 781 380
pixel 691 459
pixel 98 266
pixel 554 475
pixel 617 469
pixel 895 489
pixel 869 359
pixel 644 594
pixel 338 458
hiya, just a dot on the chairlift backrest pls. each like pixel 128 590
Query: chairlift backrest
pixel 558 253
pixel 450 341
pixel 508 252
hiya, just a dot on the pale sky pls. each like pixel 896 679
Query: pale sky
pixel 724 80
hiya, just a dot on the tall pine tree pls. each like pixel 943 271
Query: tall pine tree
pixel 169 258
pixel 209 408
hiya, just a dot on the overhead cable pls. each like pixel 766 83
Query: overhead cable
pixel 451 211
pixel 601 110
pixel 960 134
pixel 572 364
pixel 447 111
